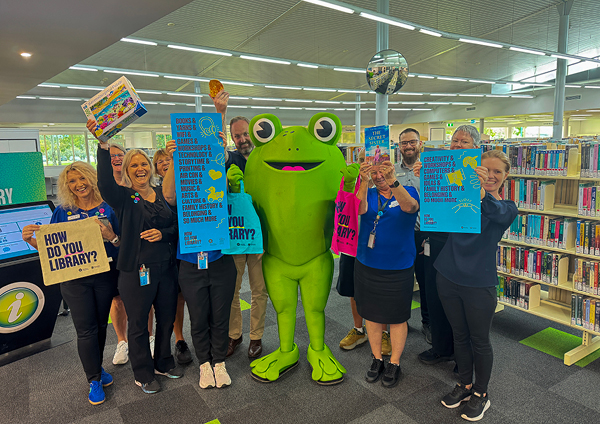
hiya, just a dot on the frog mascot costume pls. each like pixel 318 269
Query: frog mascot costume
pixel 293 175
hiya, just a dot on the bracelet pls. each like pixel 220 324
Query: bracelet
pixel 115 240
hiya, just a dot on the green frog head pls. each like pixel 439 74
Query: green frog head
pixel 296 152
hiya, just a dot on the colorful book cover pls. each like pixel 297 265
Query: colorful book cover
pixel 377 144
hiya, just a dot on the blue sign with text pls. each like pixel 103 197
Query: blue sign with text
pixel 450 191
pixel 200 182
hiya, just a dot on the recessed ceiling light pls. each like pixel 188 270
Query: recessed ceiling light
pixel 48 85
pixel 25 54
pixel 307 65
pixel 165 126
pixel 193 49
pixel 426 31
pixel 264 59
pixel 50 124
pixel 141 74
pixel 79 68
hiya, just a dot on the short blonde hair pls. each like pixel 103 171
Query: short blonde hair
pixel 497 154
pixel 66 197
pixel 125 180
pixel 160 153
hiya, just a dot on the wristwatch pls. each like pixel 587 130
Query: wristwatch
pixel 395 184
pixel 115 240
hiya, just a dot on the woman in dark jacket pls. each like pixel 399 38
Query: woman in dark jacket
pixel 147 269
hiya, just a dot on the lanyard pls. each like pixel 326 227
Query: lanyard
pixel 381 210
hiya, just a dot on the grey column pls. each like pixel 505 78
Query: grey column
pixel 357 128
pixel 383 41
pixel 481 125
pixel 561 69
pixel 566 130
pixel 198 100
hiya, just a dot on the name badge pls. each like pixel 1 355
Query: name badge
pixel 202 260
pixel 72 217
pixel 144 275
pixel 394 204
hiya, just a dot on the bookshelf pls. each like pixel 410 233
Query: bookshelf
pixel 548 192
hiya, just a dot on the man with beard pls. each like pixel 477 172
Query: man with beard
pixel 239 129
pixel 410 148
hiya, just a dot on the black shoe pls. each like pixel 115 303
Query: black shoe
pixel 427 332
pixel 377 367
pixel 458 395
pixel 429 357
pixel 175 372
pixel 182 353
pixel 149 388
pixel 64 313
pixel 476 407
pixel 391 376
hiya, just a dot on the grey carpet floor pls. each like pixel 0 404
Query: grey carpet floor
pixel 527 386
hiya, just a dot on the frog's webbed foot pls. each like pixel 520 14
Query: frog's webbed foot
pixel 327 370
pixel 272 366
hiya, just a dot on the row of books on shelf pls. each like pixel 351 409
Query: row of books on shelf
pixel 590 160
pixel 513 291
pixel 586 202
pixel 538 159
pixel 528 193
pixel 585 276
pixel 587 240
pixel 532 263
pixel 585 312
pixel 542 230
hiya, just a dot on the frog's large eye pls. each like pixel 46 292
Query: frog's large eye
pixel 326 127
pixel 264 128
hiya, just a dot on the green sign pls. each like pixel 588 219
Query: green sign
pixel 22 178
pixel 20 305
pixel 450 125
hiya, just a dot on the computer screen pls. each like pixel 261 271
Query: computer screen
pixel 12 220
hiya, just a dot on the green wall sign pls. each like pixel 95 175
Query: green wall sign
pixel 22 178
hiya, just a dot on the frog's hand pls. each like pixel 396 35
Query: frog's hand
pixel 270 367
pixel 234 176
pixel 350 174
pixel 326 369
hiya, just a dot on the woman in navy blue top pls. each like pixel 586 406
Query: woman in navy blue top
pixel 466 283
pixel 383 271
pixel 89 297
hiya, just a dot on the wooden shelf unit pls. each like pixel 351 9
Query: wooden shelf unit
pixel 562 204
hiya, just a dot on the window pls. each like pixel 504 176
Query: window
pixel 161 140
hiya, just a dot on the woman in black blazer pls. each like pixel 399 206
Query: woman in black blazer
pixel 147 269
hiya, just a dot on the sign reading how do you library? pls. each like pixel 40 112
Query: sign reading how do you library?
pixel 200 182
pixel 450 191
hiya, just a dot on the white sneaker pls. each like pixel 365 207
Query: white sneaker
pixel 121 353
pixel 152 346
pixel 207 378
pixel 221 375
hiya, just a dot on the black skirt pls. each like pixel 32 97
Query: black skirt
pixel 345 282
pixel 383 296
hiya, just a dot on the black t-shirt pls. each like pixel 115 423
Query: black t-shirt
pixel 156 215
pixel 236 158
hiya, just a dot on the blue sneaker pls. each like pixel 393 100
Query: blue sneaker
pixel 105 378
pixel 96 395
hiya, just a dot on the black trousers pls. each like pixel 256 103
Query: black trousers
pixel 441 331
pixel 420 276
pixel 162 293
pixel 208 294
pixel 470 311
pixel 89 299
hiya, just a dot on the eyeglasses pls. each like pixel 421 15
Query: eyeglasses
pixel 119 155
pixel 411 142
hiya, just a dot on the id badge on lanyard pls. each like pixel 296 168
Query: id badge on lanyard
pixel 144 275
pixel 202 260
pixel 381 210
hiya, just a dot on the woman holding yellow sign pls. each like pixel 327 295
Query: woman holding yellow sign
pixel 89 297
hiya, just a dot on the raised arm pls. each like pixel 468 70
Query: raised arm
pixel 365 177
pixel 407 203
pixel 168 185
